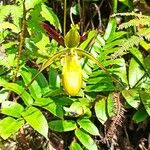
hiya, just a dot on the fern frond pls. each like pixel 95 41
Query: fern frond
pixel 127 44
pixel 112 126
pixel 135 23
pixel 130 42
pixel 139 15
pixel 145 32
pixel 138 19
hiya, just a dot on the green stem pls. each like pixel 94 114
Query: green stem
pixel 65 9
pixel 21 38
pixel 112 24
pixel 115 5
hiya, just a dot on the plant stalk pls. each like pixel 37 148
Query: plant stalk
pixel 21 42
pixel 65 9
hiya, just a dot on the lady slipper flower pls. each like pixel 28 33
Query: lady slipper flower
pixel 72 74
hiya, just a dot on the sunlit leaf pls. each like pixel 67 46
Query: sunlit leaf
pixel 49 15
pixel 135 72
pixel 100 110
pixel 31 4
pixel 50 105
pixel 34 88
pixel 145 97
pixel 75 146
pixel 132 97
pixel 91 35
pixel 9 126
pixel 13 109
pixel 138 55
pixel 8 25
pixel 36 119
pixel 88 126
pixel 110 102
pixel 41 80
pixel 111 27
pixel 20 91
pixel 85 139
pixel 3 95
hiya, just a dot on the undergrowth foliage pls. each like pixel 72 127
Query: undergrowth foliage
pixel 120 81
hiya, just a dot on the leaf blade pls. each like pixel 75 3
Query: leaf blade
pixel 36 119
pixel 12 126
pixel 85 139
pixel 88 126
pixel 62 125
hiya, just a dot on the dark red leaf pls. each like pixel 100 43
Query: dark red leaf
pixel 84 37
pixel 50 29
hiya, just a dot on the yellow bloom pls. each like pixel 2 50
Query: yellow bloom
pixel 72 74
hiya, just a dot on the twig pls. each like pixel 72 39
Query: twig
pixel 23 139
pixel 149 141
pixel 21 42
pixel 65 9
pixel 98 9
pixel 81 10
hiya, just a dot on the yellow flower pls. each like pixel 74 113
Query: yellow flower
pixel 72 74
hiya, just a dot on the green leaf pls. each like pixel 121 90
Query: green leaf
pixel 31 4
pixel 100 110
pixel 100 83
pixel 14 11
pixel 110 105
pixel 37 120
pixel 62 125
pixel 85 139
pixel 50 105
pixel 140 115
pixel 91 35
pixel 9 126
pixel 145 97
pixel 12 108
pixel 135 72
pixel 119 69
pixel 54 79
pixel 20 91
pixel 111 27
pixel 77 109
pixel 88 126
pixel 3 95
pixel 147 63
pixel 116 36
pixel 75 146
pixel 138 55
pixel 49 15
pixel 41 80
pixel 132 97
pixel 125 2
pixel 8 25
pixel 34 88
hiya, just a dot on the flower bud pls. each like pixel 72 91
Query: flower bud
pixel 72 38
